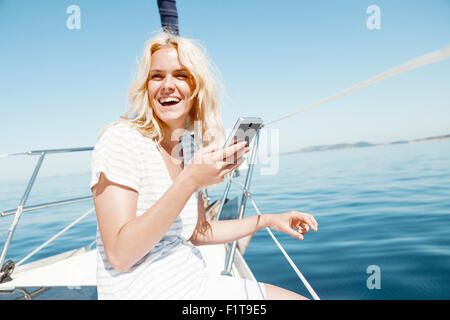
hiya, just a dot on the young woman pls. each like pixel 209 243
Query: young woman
pixel 149 211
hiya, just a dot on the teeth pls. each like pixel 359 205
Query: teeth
pixel 169 99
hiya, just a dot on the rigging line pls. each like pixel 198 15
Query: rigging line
pixel 429 58
pixel 297 271
pixel 5 155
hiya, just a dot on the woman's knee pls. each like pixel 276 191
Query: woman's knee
pixel 277 293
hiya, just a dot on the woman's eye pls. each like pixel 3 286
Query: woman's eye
pixel 156 76
pixel 182 76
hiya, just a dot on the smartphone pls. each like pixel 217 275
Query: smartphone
pixel 244 129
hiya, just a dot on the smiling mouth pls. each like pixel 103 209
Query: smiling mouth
pixel 169 101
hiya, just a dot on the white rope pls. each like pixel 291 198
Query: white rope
pixel 55 236
pixel 5 155
pixel 297 271
pixel 410 65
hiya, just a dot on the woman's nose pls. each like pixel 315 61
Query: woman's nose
pixel 168 84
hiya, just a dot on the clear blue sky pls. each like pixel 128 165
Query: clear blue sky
pixel 60 86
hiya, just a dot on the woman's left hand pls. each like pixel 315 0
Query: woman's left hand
pixel 293 223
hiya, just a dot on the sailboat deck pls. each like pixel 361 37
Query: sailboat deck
pixel 77 268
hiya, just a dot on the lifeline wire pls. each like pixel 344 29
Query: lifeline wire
pixel 297 271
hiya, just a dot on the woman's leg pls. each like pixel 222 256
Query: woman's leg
pixel 277 293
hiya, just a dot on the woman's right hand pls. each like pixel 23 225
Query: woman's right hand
pixel 209 165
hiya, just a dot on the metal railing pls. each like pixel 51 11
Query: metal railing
pixel 229 260
pixel 21 208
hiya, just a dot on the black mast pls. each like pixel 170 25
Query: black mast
pixel 169 15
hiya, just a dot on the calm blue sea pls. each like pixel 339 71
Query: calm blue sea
pixel 385 206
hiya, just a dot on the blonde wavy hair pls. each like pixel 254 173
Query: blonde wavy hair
pixel 206 99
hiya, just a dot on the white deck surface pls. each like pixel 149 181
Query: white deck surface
pixel 78 268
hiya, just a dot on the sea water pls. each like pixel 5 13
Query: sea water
pixel 383 215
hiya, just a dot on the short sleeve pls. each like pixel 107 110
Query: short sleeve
pixel 118 159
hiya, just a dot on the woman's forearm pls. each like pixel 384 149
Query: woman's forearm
pixel 224 231
pixel 137 237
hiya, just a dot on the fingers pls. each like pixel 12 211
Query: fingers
pixel 301 224
pixel 236 156
pixel 294 223
pixel 230 167
pixel 298 231
pixel 303 228
pixel 223 161
pixel 204 154
pixel 222 157
pixel 307 220
pixel 294 234
pixel 313 223
pixel 229 152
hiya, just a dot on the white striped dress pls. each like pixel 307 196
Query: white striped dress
pixel 174 268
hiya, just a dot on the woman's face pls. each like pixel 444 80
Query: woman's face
pixel 170 86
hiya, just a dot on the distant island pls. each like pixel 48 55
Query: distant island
pixel 362 144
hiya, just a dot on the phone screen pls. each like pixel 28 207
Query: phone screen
pixel 245 129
